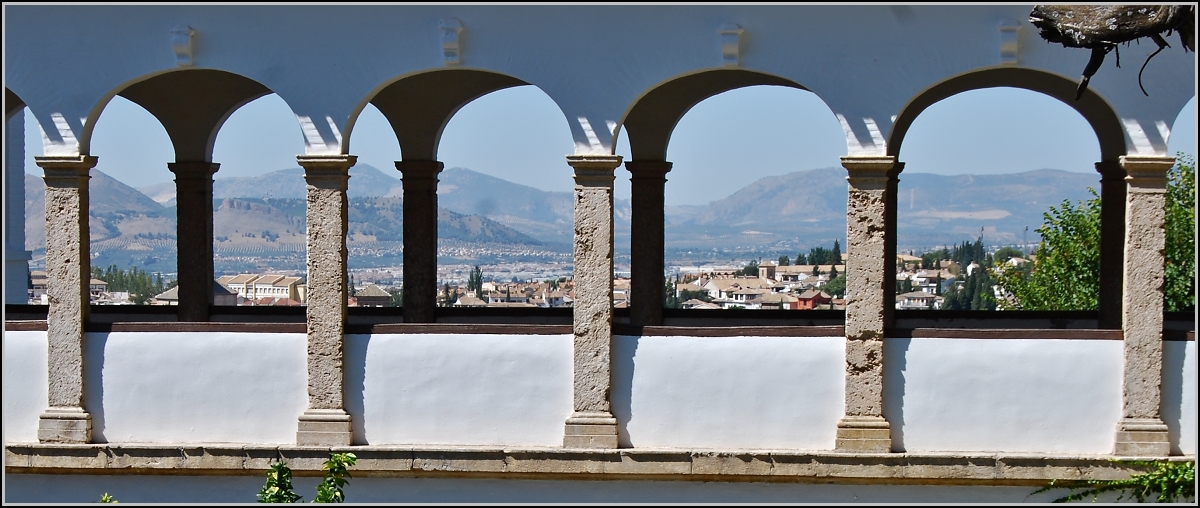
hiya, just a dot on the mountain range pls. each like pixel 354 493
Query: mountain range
pixel 786 212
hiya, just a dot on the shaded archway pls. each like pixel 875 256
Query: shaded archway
pixel 192 105
pixel 418 107
pixel 650 123
pixel 1109 134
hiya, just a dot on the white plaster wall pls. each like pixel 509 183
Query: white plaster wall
pixel 1010 395
pixel 1179 395
pixel 459 389
pixel 25 384
pixel 728 392
pixel 186 387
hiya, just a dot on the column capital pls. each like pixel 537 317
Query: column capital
pixel 60 170
pixel 193 170
pixel 652 170
pixel 327 170
pixel 419 169
pixel 868 171
pixel 594 170
pixel 1147 171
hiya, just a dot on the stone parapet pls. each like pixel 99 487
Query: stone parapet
pixel 670 464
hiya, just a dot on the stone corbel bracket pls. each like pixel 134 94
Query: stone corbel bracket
pixel 1008 42
pixel 181 42
pixel 731 38
pixel 451 32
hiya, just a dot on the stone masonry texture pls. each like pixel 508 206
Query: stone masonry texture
pixel 593 280
pixel 327 214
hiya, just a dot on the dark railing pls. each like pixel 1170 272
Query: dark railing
pixel 697 322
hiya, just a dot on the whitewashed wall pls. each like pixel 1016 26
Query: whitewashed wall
pixel 728 392
pixel 26 389
pixel 459 389
pixel 1010 395
pixel 1003 394
pixel 195 387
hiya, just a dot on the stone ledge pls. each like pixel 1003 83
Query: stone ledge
pixel 559 463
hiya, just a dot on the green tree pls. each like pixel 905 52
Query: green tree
pixel 801 259
pixel 1066 271
pixel 475 281
pixel 835 256
pixel 1179 288
pixel 1005 253
pixel 836 286
pixel 784 261
pixel 751 270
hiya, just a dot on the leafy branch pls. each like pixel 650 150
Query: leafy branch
pixel 1167 482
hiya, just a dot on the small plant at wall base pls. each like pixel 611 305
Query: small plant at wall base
pixel 1167 482
pixel 278 488
pixel 105 498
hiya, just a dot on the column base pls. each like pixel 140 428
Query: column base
pixel 324 427
pixel 867 434
pixel 1142 437
pixel 590 430
pixel 65 425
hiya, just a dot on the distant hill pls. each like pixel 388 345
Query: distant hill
pixel 808 208
pixel 110 202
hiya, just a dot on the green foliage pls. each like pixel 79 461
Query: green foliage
pixel 105 498
pixel 784 261
pixel 1005 253
pixel 1167 482
pixel 475 282
pixel 751 270
pixel 1066 272
pixel 278 488
pixel 801 259
pixel 1179 288
pixel 836 285
pixel 336 474
pixel 904 286
pixel 142 286
pixel 397 298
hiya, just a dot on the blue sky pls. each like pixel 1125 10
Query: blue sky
pixel 720 146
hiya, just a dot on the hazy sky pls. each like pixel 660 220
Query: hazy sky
pixel 720 146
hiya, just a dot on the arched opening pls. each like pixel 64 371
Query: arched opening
pixel 502 198
pixel 982 167
pixel 259 207
pixel 754 178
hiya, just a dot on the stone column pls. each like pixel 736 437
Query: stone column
pixel 194 231
pixel 326 422
pixel 646 246
pixel 16 258
pixel 869 280
pixel 1112 242
pixel 592 425
pixel 419 295
pixel 68 272
pixel 1141 431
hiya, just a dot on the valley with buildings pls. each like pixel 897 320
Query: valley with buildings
pixel 521 236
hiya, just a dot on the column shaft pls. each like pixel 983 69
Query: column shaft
pixel 1141 430
pixel 646 245
pixel 194 233
pixel 870 280
pixel 1112 242
pixel 68 273
pixel 326 422
pixel 420 239
pixel 592 424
